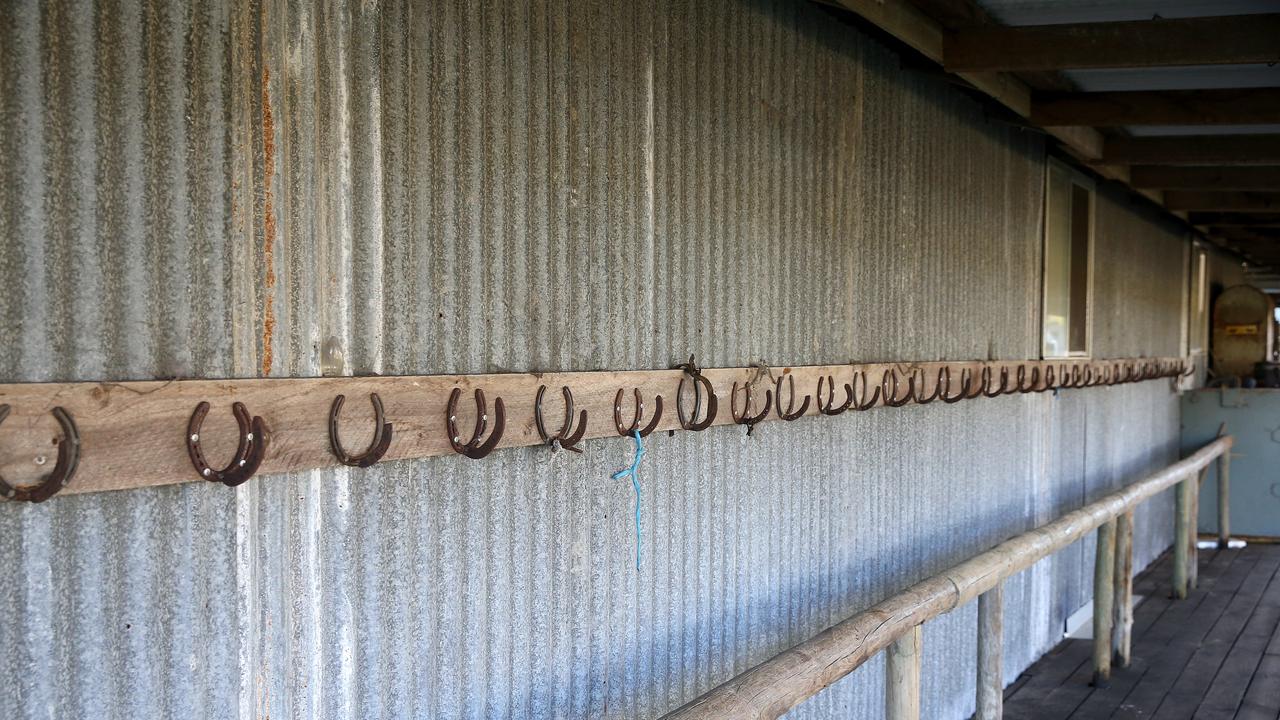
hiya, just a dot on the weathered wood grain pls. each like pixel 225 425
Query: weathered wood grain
pixel 133 433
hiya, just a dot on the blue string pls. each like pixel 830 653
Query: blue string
pixel 634 472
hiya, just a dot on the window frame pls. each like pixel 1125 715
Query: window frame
pixel 1197 339
pixel 1076 179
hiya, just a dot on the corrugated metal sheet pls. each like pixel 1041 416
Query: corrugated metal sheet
pixel 238 189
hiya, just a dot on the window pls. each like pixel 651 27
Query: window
pixel 1198 305
pixel 1068 259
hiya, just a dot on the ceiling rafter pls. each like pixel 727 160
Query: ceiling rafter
pixel 1234 106
pixel 1235 39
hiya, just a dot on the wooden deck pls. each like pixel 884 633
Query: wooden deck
pixel 1215 655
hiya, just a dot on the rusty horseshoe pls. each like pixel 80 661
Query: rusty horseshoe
pixel 63 470
pixel 251 450
pixel 377 446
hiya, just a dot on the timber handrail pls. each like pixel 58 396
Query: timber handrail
pixel 775 686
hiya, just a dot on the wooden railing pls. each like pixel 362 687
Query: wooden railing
pixel 775 686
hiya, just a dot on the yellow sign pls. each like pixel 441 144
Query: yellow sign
pixel 1242 329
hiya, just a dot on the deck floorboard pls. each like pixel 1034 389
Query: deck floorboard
pixel 1215 655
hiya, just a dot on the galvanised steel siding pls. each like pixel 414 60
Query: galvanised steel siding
pixel 238 189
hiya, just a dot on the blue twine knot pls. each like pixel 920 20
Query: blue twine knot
pixel 634 472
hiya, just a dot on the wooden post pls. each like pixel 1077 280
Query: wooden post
pixel 1224 499
pixel 902 676
pixel 1193 533
pixel 1103 598
pixel 1181 523
pixel 1124 588
pixel 990 705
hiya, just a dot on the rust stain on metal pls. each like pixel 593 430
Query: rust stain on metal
pixel 268 221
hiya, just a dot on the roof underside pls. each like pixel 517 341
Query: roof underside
pixel 1243 215
pixel 1180 100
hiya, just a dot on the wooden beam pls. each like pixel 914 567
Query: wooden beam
pixel 1237 106
pixel 954 14
pixel 1165 177
pixel 1223 201
pixel 1235 220
pixel 134 434
pixel 1194 150
pixel 926 36
pixel 1247 235
pixel 1227 40
pixel 957 15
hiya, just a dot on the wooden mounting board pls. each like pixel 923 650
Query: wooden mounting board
pixel 133 433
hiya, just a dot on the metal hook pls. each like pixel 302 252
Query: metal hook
pixel 473 448
pixel 890 396
pixel 637 417
pixel 691 423
pixel 567 437
pixel 745 418
pixel 1048 379
pixel 861 402
pixel 788 415
pixel 828 407
pixel 986 381
pixel 1021 376
pixel 377 446
pixel 966 381
pixel 1128 373
pixel 249 454
pixel 63 470
pixel 937 385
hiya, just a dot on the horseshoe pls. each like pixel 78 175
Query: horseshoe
pixel 63 470
pixel 377 446
pixel 249 454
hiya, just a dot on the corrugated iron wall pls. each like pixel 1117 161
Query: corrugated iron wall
pixel 239 189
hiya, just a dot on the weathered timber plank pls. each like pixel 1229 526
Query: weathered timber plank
pixel 1171 651
pixel 1189 689
pixel 133 433
pixel 1227 690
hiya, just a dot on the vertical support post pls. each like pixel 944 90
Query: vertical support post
pixel 902 676
pixel 1104 574
pixel 1193 533
pixel 1224 499
pixel 1124 589
pixel 1181 528
pixel 990 705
